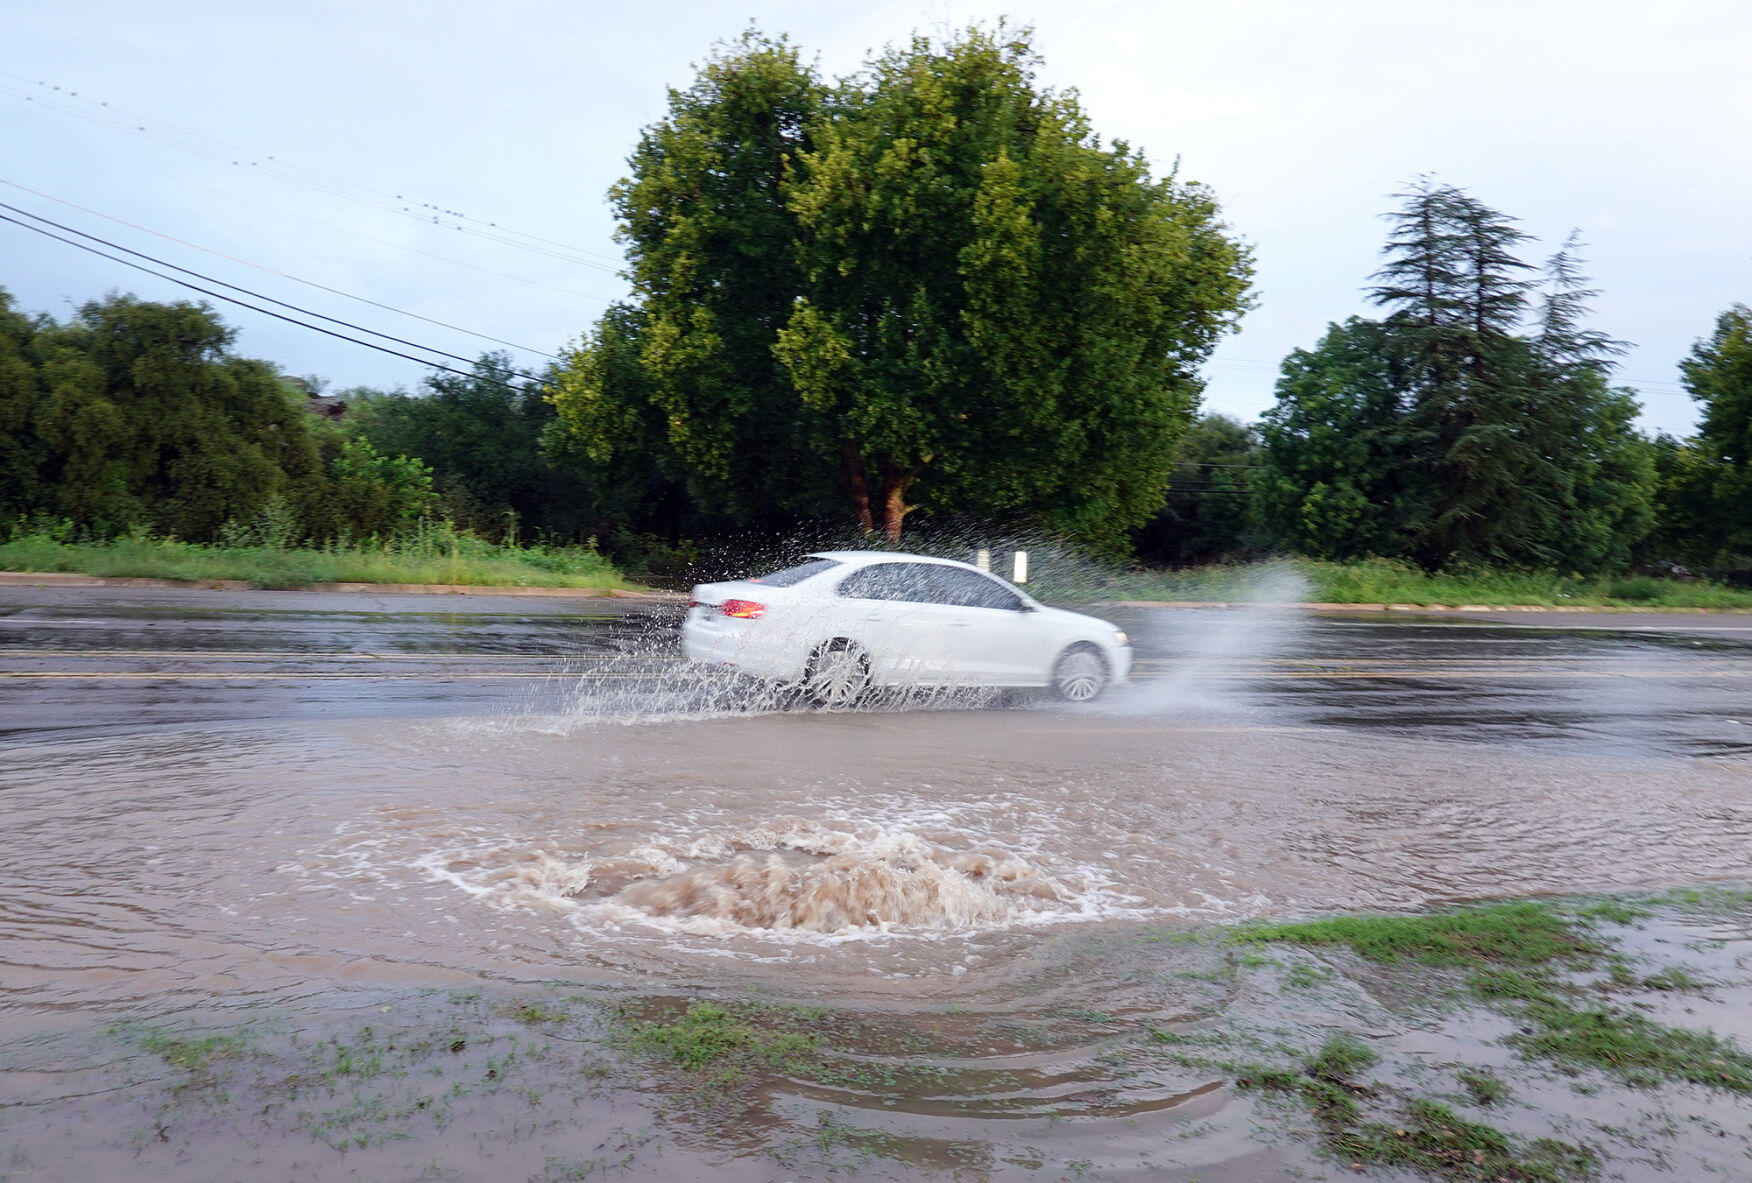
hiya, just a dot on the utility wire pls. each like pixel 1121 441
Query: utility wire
pixel 268 311
pixel 246 291
pixel 332 227
pixel 56 98
pixel 268 270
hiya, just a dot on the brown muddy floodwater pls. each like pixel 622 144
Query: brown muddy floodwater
pixel 294 816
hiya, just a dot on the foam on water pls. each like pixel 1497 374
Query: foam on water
pixel 784 877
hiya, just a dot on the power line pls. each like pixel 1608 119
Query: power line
pixel 246 291
pixel 350 231
pixel 268 311
pixel 56 98
pixel 268 270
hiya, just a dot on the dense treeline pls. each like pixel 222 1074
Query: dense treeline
pixel 135 417
pixel 927 294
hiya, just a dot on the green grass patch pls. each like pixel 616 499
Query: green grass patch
pixel 189 1052
pixel 1527 933
pixel 1708 901
pixel 1483 1088
pixel 708 1035
pixel 1384 581
pixel 437 555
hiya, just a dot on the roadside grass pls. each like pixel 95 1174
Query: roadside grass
pixel 438 553
pixel 434 555
pixel 1384 581
pixel 1380 581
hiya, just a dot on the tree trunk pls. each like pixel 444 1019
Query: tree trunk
pixel 895 482
pixel 859 487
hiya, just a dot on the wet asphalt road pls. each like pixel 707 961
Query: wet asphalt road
pixel 76 658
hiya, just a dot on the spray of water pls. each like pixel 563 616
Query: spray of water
pixel 1197 653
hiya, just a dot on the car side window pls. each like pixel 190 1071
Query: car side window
pixel 890 581
pixel 970 589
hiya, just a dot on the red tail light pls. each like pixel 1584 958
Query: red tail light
pixel 744 609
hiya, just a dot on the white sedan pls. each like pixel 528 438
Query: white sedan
pixel 843 621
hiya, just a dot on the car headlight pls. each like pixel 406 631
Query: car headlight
pixel 1120 638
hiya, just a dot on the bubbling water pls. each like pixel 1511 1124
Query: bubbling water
pixel 791 876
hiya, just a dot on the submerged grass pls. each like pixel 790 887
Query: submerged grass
pixel 1323 1059
pixel 1516 954
pixel 438 555
pixel 708 1035
pixel 1364 1123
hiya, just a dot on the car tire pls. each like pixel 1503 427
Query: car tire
pixel 1080 674
pixel 838 674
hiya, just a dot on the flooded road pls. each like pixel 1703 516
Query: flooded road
pixel 220 805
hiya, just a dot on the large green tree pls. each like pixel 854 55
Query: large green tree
pixel 929 286
pixel 711 246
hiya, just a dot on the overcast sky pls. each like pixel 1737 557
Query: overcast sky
pixel 450 160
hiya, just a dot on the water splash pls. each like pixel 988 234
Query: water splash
pixel 1206 648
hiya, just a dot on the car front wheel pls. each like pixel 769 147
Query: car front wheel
pixel 838 674
pixel 1080 674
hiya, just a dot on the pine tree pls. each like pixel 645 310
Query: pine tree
pixel 1447 433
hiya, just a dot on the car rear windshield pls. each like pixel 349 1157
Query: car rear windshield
pixel 794 575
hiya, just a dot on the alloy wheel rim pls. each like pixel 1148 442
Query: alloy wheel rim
pixel 839 676
pixel 1080 677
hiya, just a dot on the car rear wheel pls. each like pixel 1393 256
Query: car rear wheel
pixel 838 674
pixel 1080 674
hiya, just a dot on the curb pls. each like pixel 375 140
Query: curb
pixel 67 579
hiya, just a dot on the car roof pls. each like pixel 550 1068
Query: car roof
pixel 867 557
